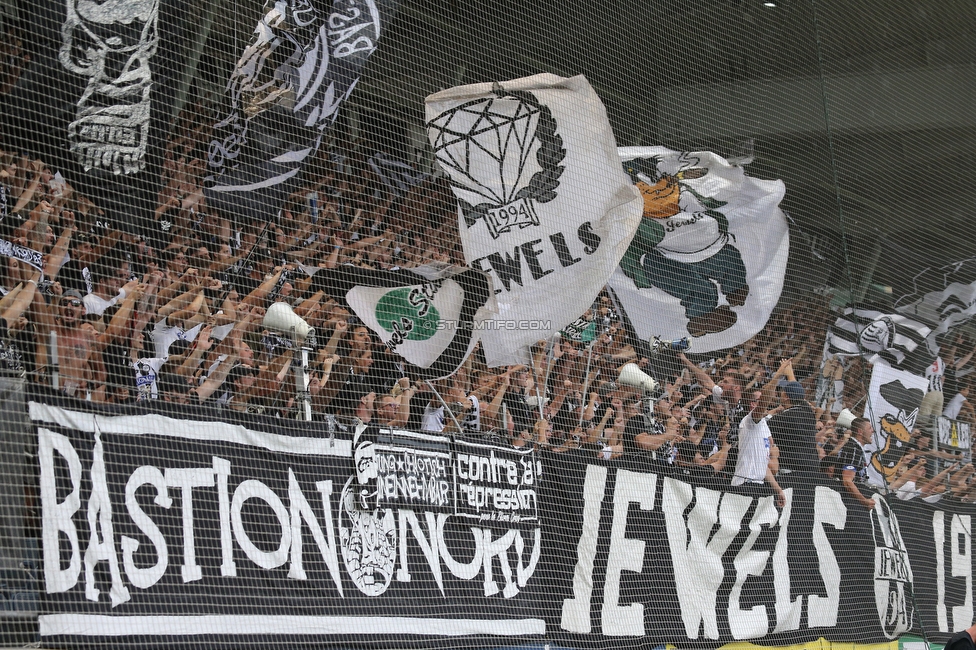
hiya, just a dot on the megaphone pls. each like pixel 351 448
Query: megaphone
pixel 844 419
pixel 282 318
pixel 632 375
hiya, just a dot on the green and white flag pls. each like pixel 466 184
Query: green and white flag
pixel 429 315
pixel 580 330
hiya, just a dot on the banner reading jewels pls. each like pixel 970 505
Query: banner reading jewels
pixel 168 528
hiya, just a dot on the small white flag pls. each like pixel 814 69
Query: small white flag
pixel 428 315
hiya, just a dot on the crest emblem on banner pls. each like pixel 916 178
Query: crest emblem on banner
pixel 896 427
pixel 892 572
pixel 368 539
pixel 493 129
pixel 408 313
pixel 111 44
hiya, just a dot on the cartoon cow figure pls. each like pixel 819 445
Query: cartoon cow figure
pixel 685 250
pixel 895 433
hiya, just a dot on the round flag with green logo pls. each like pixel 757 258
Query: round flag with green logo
pixel 395 306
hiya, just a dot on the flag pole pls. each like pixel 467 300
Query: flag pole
pixel 545 383
pixel 447 409
pixel 586 382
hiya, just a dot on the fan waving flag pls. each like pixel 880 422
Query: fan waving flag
pixel 277 115
pixel 710 254
pixel 428 315
pixel 897 339
pixel 580 330
pixel 543 204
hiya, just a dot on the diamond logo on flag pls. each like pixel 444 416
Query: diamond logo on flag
pixel 543 203
pixel 502 154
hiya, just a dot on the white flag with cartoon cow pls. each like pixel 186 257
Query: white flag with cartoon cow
pixel 710 254
pixel 544 207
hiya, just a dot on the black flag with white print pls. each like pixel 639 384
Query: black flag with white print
pixel 897 339
pixel 96 98
pixel 285 93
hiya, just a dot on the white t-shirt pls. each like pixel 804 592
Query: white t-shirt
pixel 164 334
pixel 872 476
pixel 935 373
pixel 97 305
pixel 220 332
pixel 214 365
pixel 147 371
pixel 754 443
pixel 432 419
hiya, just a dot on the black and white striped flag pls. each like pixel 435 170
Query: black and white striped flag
pixel 897 339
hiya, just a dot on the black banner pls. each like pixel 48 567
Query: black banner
pixel 414 471
pixel 496 484
pixel 162 531
pixel 170 529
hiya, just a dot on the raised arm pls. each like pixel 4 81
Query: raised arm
pixel 201 344
pixel 703 377
pixel 718 460
pixel 183 306
pixel 216 378
pixel 23 295
pixel 119 321
pixel 654 441
pixel 55 259
pixel 596 433
pixel 28 193
pixel 769 390
pixel 257 296
pixel 105 244
pixel 504 381
pixel 403 413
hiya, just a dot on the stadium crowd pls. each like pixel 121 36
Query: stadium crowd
pixel 174 313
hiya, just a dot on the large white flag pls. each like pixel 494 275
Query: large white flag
pixel 709 257
pixel 544 205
